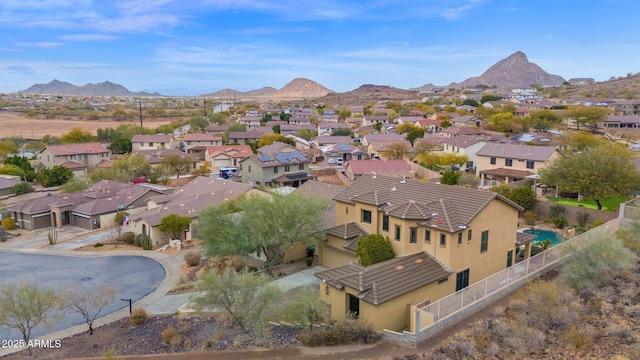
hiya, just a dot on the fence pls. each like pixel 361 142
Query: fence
pixel 430 319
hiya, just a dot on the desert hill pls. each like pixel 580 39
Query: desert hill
pixel 366 94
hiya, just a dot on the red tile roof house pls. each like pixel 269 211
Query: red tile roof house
pixel 88 209
pixel 152 142
pixel 189 200
pixel 226 156
pixel 78 157
pixel 396 168
pixel 506 163
pixel 200 139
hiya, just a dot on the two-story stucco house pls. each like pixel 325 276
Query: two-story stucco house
pixel 201 139
pixel 464 145
pixel 444 237
pixel 152 142
pixel 498 163
pixel 279 168
pixel 79 158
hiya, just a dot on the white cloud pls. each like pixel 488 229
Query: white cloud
pixel 43 45
pixel 89 37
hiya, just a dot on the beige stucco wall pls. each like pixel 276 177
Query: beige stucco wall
pixel 484 163
pixel 332 255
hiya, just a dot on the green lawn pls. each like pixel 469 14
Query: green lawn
pixel 608 204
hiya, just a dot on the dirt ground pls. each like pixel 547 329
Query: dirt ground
pixel 13 124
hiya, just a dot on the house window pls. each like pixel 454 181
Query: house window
pixel 300 166
pixel 162 144
pixel 150 144
pixel 469 235
pixel 287 168
pixel 188 142
pixel 366 216
pixel 249 168
pixel 493 161
pixel 484 242
pixel 413 235
pixel 462 280
pixel 397 233
pixel 508 162
pixel 385 222
pixel 275 169
pixel 427 236
pixel 443 240
pixel 530 164
pixel 460 238
pixel 346 211
pixel 509 258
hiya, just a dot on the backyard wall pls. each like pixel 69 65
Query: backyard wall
pixel 542 209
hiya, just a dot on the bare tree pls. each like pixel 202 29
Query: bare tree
pixel 25 306
pixel 89 304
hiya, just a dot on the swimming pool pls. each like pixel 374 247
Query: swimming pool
pixel 541 235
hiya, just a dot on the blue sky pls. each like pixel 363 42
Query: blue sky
pixel 192 47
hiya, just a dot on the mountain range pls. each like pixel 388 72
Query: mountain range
pixel 512 72
pixel 107 88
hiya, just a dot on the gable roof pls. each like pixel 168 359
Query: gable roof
pixel 446 207
pixel 202 137
pixel 233 151
pixel 462 141
pixel 384 281
pixel 515 151
pixel 76 149
pixel 151 138
pixel 359 167
pixel 323 190
pixel 275 147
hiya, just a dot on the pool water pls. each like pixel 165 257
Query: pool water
pixel 541 235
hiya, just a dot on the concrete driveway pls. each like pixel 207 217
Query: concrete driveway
pixel 134 277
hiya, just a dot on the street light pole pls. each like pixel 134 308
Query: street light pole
pixel 140 107
pixel 129 300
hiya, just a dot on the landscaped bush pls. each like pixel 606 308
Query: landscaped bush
pixel 9 224
pixel 342 332
pixel 192 258
pixel 128 238
pixel 556 211
pixel 146 244
pixel 582 217
pixel 560 222
pixel 140 238
pixel 170 336
pixel 22 188
pixel 138 316
pixel 529 217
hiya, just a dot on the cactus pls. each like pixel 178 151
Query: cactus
pixel 53 236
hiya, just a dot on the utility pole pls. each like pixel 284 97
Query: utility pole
pixel 204 102
pixel 140 107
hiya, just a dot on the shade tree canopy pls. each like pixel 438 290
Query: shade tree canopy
pixel 267 224
pixel 608 169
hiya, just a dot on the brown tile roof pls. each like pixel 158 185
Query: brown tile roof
pixel 6 183
pixel 521 152
pixel 524 238
pixel 383 137
pixel 347 231
pixel 333 139
pixel 359 167
pixel 203 185
pixel 77 149
pixel 233 151
pixel 43 204
pixel 74 165
pixel 451 206
pixel 324 190
pixel 275 148
pixel 463 141
pixel 384 281
pixel 507 172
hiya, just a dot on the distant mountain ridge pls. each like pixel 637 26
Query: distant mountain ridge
pixel 299 88
pixel 515 71
pixel 367 93
pixel 107 88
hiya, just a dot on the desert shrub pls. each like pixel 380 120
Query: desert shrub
pixel 623 332
pixel 9 224
pixel 547 307
pixel 560 222
pixel 98 245
pixel 461 348
pixel 342 332
pixel 578 336
pixel 230 262
pixel 128 238
pixel 187 344
pixel 140 238
pixel 595 262
pixel 138 316
pixel 523 339
pixel 170 336
pixel 596 223
pixel 529 217
pixel 192 258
